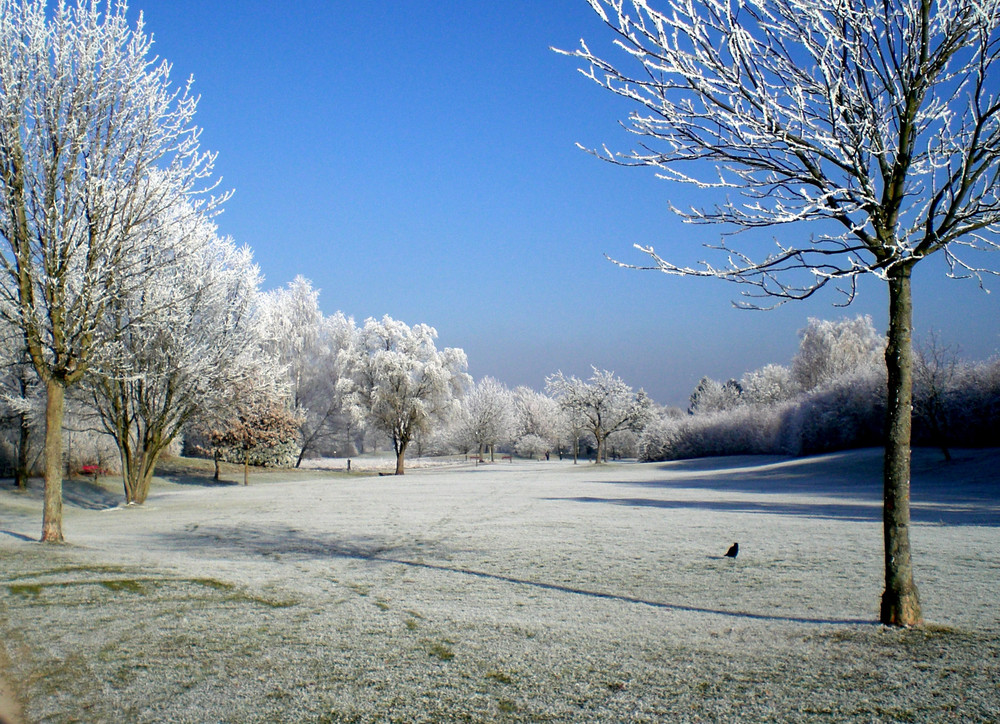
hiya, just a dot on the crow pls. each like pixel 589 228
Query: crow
pixel 733 550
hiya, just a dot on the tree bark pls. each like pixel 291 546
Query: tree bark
pixel 400 455
pixel 900 601
pixel 139 475
pixel 21 467
pixel 149 460
pixel 52 510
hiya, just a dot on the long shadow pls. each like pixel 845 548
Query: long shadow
pixel 19 536
pixel 78 493
pixel 623 598
pixel 89 496
pixel 972 475
pixel 837 511
pixel 965 491
pixel 205 480
pixel 961 514
pixel 288 541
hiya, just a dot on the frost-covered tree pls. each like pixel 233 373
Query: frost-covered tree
pixel 829 349
pixel 603 405
pixel 877 122
pixel 19 401
pixel 487 415
pixel 538 421
pixel 187 342
pixel 308 345
pixel 400 382
pixel 770 384
pixel 714 396
pixel 94 143
pixel 935 373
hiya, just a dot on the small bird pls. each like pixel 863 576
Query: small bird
pixel 734 549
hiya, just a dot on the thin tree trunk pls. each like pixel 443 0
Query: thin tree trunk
pixel 55 395
pixel 149 460
pixel 128 474
pixel 246 468
pixel 900 602
pixel 21 468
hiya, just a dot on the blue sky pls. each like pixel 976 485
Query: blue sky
pixel 418 159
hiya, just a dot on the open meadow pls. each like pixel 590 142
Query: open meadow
pixel 522 592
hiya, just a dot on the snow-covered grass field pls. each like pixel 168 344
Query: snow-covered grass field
pixel 508 592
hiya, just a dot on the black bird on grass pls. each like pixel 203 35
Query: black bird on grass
pixel 733 550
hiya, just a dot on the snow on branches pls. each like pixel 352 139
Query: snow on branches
pixel 603 405
pixel 400 382
pixel 879 121
pixel 95 143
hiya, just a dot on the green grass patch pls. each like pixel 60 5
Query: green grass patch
pixel 359 588
pixel 441 650
pixel 501 676
pixel 143 586
pixel 129 586
pixel 63 570
pixel 32 590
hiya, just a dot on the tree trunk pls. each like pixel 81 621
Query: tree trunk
pixel 139 475
pixel 128 474
pixel 52 511
pixel 900 602
pixel 400 454
pixel 215 458
pixel 149 460
pixel 246 468
pixel 21 467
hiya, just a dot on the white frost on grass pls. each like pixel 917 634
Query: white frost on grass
pixel 520 592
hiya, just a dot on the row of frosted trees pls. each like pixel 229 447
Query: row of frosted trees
pixel 352 388
pixel 204 357
pixel 121 309
pixel 832 397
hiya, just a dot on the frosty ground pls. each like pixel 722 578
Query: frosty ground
pixel 532 591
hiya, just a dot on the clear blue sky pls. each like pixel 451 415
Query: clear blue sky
pixel 418 159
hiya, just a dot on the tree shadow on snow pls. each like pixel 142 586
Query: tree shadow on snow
pixel 965 491
pixel 89 496
pixel 77 493
pixel 18 536
pixel 284 542
pixel 837 511
pixel 203 480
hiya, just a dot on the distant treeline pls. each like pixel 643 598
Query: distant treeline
pixel 832 397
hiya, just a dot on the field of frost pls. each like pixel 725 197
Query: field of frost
pixel 524 592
